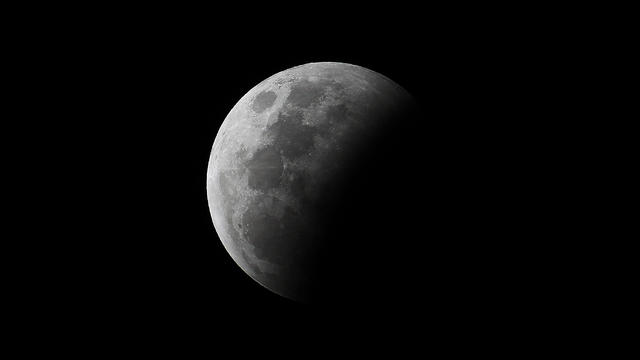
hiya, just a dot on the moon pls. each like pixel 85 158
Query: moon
pixel 283 162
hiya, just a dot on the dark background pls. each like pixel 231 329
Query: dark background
pixel 464 232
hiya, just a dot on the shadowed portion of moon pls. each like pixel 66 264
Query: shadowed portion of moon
pixel 306 174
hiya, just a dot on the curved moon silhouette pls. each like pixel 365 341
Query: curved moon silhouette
pixel 283 166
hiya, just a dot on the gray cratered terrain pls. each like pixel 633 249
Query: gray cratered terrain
pixel 282 161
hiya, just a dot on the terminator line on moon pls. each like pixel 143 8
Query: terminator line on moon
pixel 283 151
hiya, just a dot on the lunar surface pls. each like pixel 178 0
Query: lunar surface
pixel 283 162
